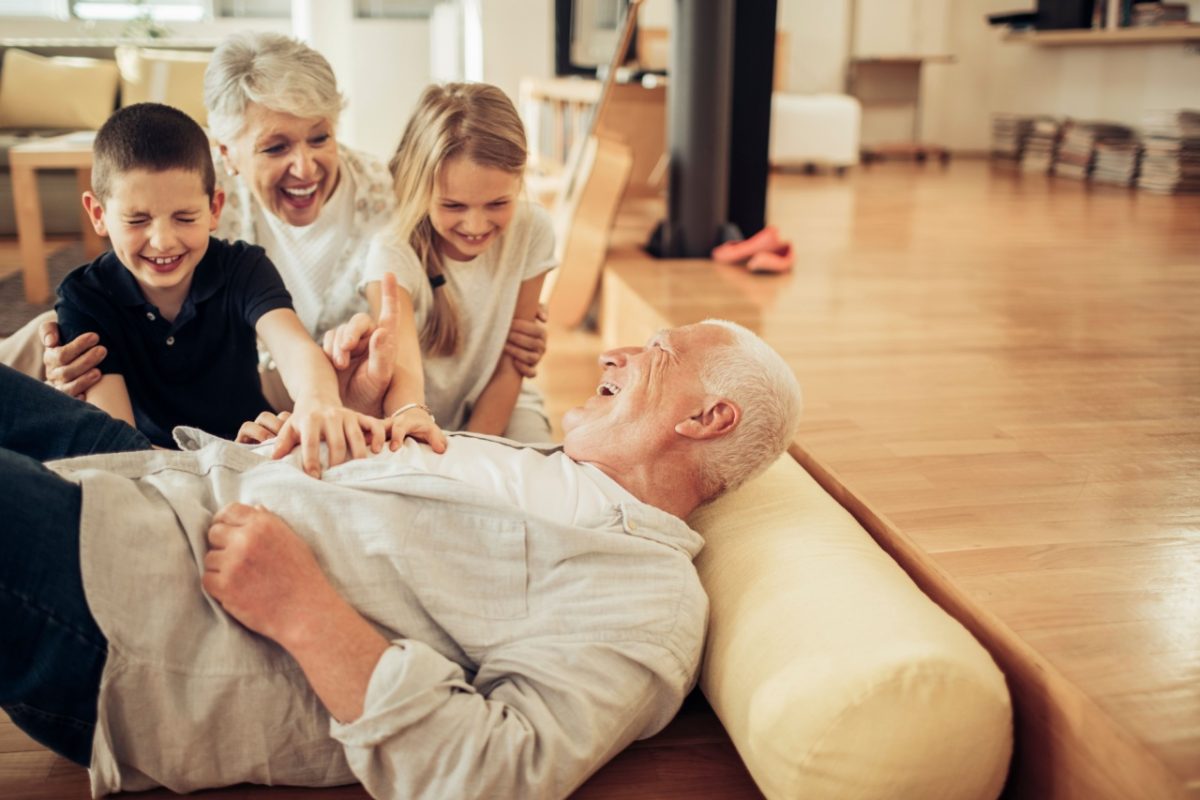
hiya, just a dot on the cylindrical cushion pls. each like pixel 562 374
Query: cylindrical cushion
pixel 835 676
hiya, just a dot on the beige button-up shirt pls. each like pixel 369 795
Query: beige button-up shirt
pixel 525 652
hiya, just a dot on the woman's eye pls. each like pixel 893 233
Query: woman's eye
pixel 319 140
pixel 274 149
pixel 498 204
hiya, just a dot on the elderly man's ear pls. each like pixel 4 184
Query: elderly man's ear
pixel 715 418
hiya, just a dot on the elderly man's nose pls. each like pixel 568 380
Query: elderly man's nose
pixel 615 358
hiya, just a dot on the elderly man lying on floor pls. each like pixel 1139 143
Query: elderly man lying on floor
pixel 495 621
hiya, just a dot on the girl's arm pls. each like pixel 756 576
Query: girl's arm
pixel 111 395
pixel 495 405
pixel 318 413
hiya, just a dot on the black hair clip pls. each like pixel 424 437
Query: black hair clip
pixel 436 280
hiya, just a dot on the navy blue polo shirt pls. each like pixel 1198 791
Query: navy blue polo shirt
pixel 200 370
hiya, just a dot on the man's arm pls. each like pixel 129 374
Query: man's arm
pixel 266 577
pixel 541 715
pixel 495 405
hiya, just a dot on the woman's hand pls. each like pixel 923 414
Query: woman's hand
pixel 413 421
pixel 364 354
pixel 527 342
pixel 264 427
pixel 344 431
pixel 71 368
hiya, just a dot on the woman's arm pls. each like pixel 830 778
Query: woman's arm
pixel 404 402
pixel 495 405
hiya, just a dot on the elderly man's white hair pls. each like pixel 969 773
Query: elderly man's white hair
pixel 749 373
pixel 272 70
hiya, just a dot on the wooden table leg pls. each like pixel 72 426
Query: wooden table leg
pixel 93 243
pixel 30 233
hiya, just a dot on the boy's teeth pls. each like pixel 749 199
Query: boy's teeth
pixel 163 261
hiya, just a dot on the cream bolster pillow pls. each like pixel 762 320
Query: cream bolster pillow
pixel 835 676
pixel 58 92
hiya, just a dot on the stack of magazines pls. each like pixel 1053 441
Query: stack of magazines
pixel 1077 153
pixel 1041 144
pixel 1117 161
pixel 1009 132
pixel 1171 158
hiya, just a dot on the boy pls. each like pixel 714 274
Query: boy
pixel 178 311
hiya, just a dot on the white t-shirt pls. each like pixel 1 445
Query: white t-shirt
pixel 552 486
pixel 303 255
pixel 486 289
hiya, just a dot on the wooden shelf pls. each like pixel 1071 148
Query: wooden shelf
pixel 1089 36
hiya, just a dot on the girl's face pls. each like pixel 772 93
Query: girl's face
pixel 471 206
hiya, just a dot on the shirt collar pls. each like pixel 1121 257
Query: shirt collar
pixel 206 280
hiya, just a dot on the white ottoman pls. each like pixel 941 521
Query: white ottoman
pixel 814 129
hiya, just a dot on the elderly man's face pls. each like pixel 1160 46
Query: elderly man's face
pixel 643 393
pixel 290 163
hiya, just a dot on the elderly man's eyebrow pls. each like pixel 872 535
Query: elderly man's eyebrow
pixel 663 339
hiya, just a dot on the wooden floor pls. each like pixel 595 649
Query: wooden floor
pixel 1003 382
pixel 1002 377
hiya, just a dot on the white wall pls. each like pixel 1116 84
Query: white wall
pixel 1115 82
pixel 518 40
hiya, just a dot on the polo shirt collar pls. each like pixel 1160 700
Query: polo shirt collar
pixel 206 280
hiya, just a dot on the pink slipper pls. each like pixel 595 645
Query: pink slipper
pixel 779 259
pixel 737 252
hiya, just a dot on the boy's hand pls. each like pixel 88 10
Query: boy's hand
pixel 417 423
pixel 313 421
pixel 527 342
pixel 71 368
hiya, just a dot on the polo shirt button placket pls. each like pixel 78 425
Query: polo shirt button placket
pixel 150 316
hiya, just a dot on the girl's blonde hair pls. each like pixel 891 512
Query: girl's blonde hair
pixel 475 120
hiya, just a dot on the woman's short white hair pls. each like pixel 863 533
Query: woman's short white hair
pixel 272 70
pixel 747 372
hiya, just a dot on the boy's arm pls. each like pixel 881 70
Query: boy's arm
pixel 495 405
pixel 111 395
pixel 318 413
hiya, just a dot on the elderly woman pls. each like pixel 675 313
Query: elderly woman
pixel 311 203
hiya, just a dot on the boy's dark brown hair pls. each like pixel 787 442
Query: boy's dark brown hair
pixel 153 137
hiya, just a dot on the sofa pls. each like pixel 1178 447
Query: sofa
pixel 833 674
pixel 48 91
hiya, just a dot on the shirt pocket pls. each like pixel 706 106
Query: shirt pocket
pixel 470 565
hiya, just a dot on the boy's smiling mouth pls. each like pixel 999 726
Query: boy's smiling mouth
pixel 163 263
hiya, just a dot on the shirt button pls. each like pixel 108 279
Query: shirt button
pixel 170 341
pixel 150 316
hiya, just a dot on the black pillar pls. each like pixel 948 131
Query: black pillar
pixel 719 122
pixel 750 123
pixel 698 112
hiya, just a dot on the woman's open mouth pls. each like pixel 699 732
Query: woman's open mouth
pixel 300 196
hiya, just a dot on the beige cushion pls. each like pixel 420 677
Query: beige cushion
pixel 57 92
pixel 174 77
pixel 835 676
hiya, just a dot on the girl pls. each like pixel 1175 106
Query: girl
pixel 469 255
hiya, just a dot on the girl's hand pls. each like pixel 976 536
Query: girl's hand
pixel 417 423
pixel 527 342
pixel 340 428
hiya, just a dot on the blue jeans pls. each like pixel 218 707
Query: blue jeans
pixel 51 651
